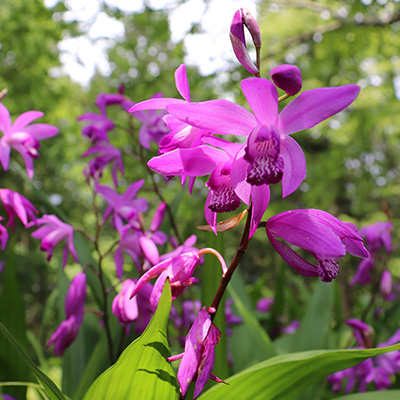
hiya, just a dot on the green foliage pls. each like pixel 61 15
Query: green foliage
pixel 142 371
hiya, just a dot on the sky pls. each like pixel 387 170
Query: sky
pixel 209 50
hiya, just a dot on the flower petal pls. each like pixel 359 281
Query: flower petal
pixel 262 97
pixel 5 119
pixel 314 106
pixel 191 162
pixel 219 116
pixel 182 83
pixel 260 198
pixel 294 165
pixel 25 119
pixel 292 258
pixel 155 104
pixel 301 229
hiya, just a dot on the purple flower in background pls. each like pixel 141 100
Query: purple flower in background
pixel 362 275
pixel 7 397
pixel 123 206
pixel 66 332
pixel 198 358
pixel 378 369
pixel 17 205
pixel 361 331
pixel 98 127
pixel 385 286
pixel 325 237
pixel 265 304
pixel 22 137
pixel 52 232
pixel 378 235
pixel 288 78
pixel 107 154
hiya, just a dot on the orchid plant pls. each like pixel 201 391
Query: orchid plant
pixel 244 155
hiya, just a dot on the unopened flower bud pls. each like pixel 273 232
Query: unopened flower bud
pixel 288 78
pixel 239 42
pixel 252 26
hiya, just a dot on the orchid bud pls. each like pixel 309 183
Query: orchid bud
pixel 238 40
pixel 288 78
pixel 252 26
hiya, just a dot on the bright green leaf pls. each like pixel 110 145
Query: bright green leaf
pixel 142 372
pixel 284 377
pixel 381 395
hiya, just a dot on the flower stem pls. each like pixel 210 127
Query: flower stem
pixel 234 264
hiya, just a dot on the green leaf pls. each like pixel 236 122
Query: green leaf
pixel 12 315
pixel 381 395
pixel 52 391
pixel 314 332
pixel 284 377
pixel 250 343
pixel 142 372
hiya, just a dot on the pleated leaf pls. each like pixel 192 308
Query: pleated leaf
pixel 286 376
pixel 142 372
pixel 381 395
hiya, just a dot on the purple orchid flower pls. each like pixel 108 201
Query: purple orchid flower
pixel 17 205
pixel 378 235
pixel 270 152
pixel 123 206
pixel 179 270
pixel 53 231
pixel 66 332
pixel 198 358
pixel 108 154
pixel 3 236
pixel 97 128
pixel 385 286
pixel 361 331
pixel 321 234
pixel 22 137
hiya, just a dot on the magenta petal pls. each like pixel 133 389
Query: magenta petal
pixel 260 198
pixel 219 116
pixel 262 97
pixel 301 229
pixel 294 165
pixel 150 274
pixel 158 217
pixel 292 258
pixel 314 106
pixel 182 83
pixel 241 53
pixel 238 178
pixel 41 131
pixel 210 216
pixel 288 78
pixel 5 150
pixel 5 119
pixel 197 161
pixel 149 250
pixel 155 104
pixel 25 119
